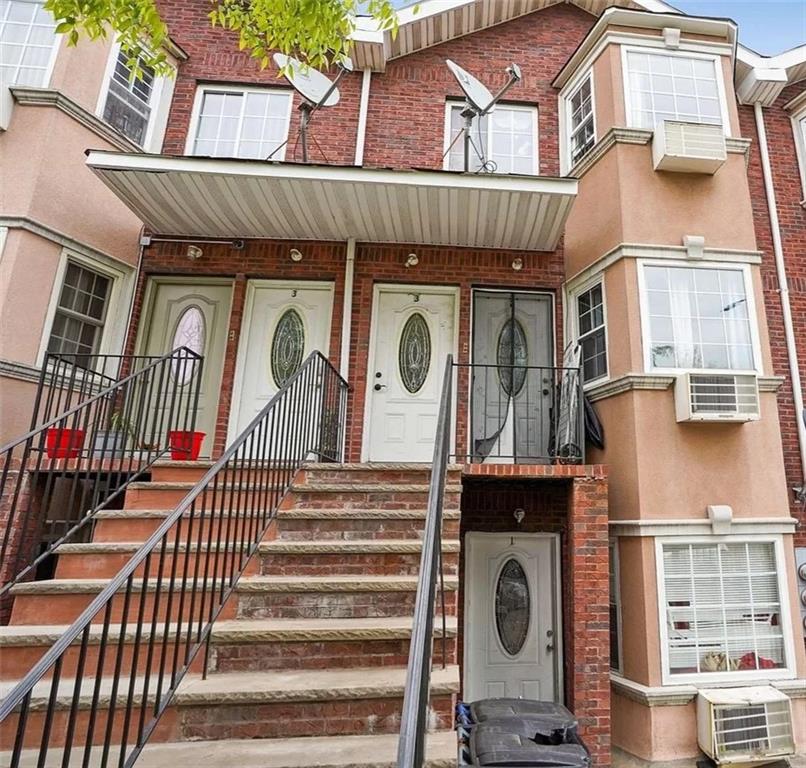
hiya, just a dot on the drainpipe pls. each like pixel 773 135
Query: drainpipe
pixel 783 287
pixel 363 107
pixel 347 310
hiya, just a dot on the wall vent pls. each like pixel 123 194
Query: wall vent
pixel 717 397
pixel 688 147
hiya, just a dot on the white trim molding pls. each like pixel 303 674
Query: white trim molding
pixel 627 383
pixel 750 526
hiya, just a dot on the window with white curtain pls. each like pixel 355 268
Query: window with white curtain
pixel 662 86
pixel 698 318
pixel 27 39
pixel 505 139
pixel 241 122
pixel 721 608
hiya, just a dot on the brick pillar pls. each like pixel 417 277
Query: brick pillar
pixel 588 651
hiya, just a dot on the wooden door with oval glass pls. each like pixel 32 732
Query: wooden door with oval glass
pixel 283 323
pixel 413 332
pixel 512 626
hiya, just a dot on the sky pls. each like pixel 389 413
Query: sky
pixel 766 26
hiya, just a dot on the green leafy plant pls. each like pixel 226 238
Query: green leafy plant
pixel 317 32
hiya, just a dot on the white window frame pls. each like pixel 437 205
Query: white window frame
pixel 113 331
pixel 788 671
pixel 592 282
pixel 453 103
pixel 567 114
pixel 799 130
pixel 615 558
pixel 159 103
pixel 54 52
pixel 198 100
pixel 752 315
pixel 654 51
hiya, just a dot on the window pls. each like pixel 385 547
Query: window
pixel 799 126
pixel 661 86
pixel 581 129
pixel 615 610
pixel 504 141
pixel 27 41
pixel 80 313
pixel 698 317
pixel 591 333
pixel 721 608
pixel 128 101
pixel 241 123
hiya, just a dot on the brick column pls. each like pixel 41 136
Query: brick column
pixel 588 639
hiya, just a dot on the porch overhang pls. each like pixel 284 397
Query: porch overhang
pixel 211 197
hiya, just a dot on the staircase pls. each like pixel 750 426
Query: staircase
pixel 307 661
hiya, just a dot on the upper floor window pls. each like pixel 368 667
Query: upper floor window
pixel 591 332
pixel 129 100
pixel 27 43
pixel 799 125
pixel 240 122
pixel 663 86
pixel 697 317
pixel 504 141
pixel 581 127
pixel 615 609
pixel 81 311
pixel 721 608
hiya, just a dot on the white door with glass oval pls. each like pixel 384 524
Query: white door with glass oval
pixel 283 323
pixel 413 331
pixel 512 628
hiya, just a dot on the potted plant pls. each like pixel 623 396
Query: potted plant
pixel 185 444
pixel 63 442
pixel 111 443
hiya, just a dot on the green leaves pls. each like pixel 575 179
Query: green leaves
pixel 317 32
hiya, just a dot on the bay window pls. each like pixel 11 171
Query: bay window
pixel 581 128
pixel 697 318
pixel 27 43
pixel 591 332
pixel 504 141
pixel 721 609
pixel 129 101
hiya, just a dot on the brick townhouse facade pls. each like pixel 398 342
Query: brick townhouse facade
pixel 614 237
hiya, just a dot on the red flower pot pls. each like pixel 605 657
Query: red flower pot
pixel 61 443
pixel 185 445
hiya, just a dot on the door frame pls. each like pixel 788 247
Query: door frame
pixel 246 329
pixel 473 537
pixel 428 288
pixel 481 289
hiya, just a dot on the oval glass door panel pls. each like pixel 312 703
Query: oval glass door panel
pixel 191 332
pixel 512 352
pixel 414 355
pixel 512 607
pixel 287 346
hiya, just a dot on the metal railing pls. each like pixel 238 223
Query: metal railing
pixel 99 433
pixel 414 719
pixel 103 708
pixel 525 413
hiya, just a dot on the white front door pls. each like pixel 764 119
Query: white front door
pixel 511 627
pixel 413 333
pixel 283 323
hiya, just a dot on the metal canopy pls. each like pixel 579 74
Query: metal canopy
pixel 209 197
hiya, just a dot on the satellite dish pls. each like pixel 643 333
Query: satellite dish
pixel 316 89
pixel 479 102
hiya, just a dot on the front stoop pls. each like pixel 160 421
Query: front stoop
pixel 307 663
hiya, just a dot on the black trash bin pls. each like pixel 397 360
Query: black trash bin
pixel 553 721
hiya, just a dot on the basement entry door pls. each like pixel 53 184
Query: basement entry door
pixel 283 323
pixel 194 315
pixel 413 333
pixel 511 616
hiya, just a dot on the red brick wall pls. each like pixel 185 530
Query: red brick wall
pixel 789 193
pixel 407 102
pixel 577 510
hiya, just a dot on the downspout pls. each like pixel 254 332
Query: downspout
pixel 363 108
pixel 783 287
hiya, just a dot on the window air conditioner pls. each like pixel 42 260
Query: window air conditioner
pixel 688 147
pixel 717 397
pixel 744 725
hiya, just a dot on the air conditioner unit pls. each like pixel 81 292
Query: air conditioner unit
pixel 717 397
pixel 744 725
pixel 688 147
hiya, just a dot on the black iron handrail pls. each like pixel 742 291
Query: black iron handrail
pixel 100 433
pixel 222 519
pixel 414 719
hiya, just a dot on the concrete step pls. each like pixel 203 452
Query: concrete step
pixel 303 752
pixel 167 495
pixel 366 496
pixel 239 705
pixel 375 472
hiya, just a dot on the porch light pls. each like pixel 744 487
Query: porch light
pixel 194 253
pixel 412 260
pixel 295 255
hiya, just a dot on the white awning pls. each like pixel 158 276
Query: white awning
pixel 209 197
